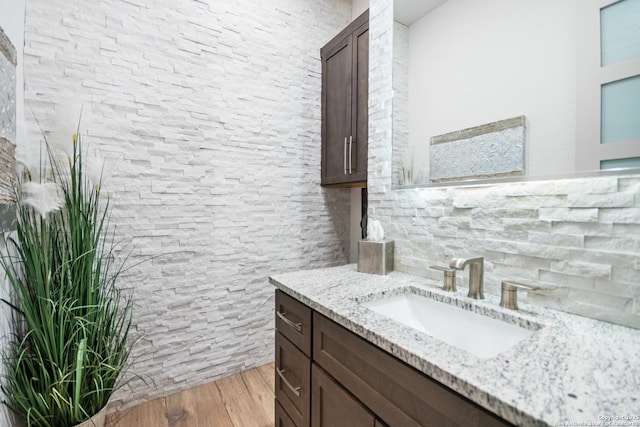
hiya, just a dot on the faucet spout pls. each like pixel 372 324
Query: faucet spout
pixel 476 274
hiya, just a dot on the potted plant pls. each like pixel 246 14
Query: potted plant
pixel 70 322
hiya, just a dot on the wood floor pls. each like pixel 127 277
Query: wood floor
pixel 241 400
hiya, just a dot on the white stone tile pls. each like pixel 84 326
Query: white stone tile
pixel 583 269
pixel 516 273
pixel 519 224
pixel 614 244
pixel 625 275
pixel 581 228
pixel 569 214
pixel 569 240
pixel 612 200
pixel 620 216
pixel 533 201
pixel 629 290
pixel 566 280
pixel 546 251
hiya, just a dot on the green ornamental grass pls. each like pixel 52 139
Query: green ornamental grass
pixel 70 322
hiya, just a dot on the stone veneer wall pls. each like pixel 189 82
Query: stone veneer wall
pixel 401 153
pixel 580 234
pixel 209 115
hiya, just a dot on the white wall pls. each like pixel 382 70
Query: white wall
pixel 209 115
pixel 358 7
pixel 12 20
pixel 582 235
pixel 12 23
pixel 475 62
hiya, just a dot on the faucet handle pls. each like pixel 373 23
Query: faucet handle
pixel 449 277
pixel 509 297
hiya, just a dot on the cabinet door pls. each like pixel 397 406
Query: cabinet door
pixel 360 104
pixel 345 109
pixel 282 419
pixel 397 393
pixel 332 406
pixel 336 111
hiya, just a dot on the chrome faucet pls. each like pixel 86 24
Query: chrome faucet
pixel 476 273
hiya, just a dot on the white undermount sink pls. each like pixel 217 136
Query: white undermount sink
pixel 475 333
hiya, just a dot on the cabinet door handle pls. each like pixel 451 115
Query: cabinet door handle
pixel 344 158
pixel 282 316
pixel 294 390
pixel 350 151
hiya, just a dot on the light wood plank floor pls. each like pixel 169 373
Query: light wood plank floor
pixel 241 400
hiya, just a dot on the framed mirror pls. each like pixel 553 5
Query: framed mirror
pixel 500 90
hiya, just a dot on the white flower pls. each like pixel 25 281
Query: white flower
pixel 94 169
pixel 43 197
pixel 66 125
pixel 31 153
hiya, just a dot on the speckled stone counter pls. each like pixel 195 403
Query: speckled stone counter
pixel 572 371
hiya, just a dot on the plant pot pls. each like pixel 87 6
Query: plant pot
pixel 18 421
pixel 98 420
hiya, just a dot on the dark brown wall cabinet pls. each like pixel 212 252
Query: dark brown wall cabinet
pixel 334 378
pixel 345 87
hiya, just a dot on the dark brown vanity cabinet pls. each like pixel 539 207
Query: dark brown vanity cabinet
pixel 345 87
pixel 344 380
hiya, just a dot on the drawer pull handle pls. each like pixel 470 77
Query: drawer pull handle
pixel 350 150
pixel 344 157
pixel 296 326
pixel 294 390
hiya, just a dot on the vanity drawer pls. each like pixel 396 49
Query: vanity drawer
pixel 293 320
pixel 293 381
pixel 400 394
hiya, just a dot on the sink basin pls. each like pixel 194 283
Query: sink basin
pixel 474 333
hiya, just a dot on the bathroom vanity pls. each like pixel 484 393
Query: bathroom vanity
pixel 337 358
pixel 341 373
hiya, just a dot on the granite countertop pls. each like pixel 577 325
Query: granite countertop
pixel 572 371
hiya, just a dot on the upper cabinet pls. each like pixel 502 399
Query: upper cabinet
pixel 345 87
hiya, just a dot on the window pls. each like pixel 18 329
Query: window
pixel 608 84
